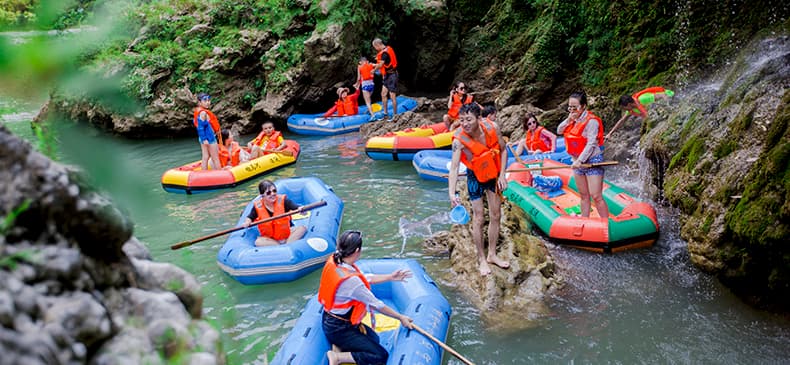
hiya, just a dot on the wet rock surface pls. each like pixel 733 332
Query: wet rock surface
pixel 75 286
pixel 520 291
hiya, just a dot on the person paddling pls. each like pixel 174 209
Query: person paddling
pixel 479 145
pixel 269 204
pixel 345 294
pixel 636 105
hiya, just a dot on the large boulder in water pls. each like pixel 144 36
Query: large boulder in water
pixel 517 292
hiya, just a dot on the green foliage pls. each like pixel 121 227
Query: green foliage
pixel 280 60
pixel 9 262
pixel 16 12
pixel 724 148
pixel 9 220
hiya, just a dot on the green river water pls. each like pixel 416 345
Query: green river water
pixel 644 306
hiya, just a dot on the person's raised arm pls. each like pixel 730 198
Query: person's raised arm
pixel 452 179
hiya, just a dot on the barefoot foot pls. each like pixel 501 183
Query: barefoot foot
pixel 498 262
pixel 485 270
pixel 332 356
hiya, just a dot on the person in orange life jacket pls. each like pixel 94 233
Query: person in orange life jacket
pixel 489 113
pixel 365 82
pixel 479 145
pixel 346 104
pixel 536 138
pixel 458 98
pixel 230 154
pixel 266 141
pixel 208 128
pixel 583 133
pixel 636 105
pixel 345 293
pixel 387 64
pixel 269 204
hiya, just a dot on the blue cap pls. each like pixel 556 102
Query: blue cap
pixel 459 215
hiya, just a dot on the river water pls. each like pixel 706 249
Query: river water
pixel 643 306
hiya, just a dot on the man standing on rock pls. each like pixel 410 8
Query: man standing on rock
pixel 387 64
pixel 479 145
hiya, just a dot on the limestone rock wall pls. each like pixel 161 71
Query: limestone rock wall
pixel 76 286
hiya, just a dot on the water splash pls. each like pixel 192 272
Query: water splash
pixel 420 228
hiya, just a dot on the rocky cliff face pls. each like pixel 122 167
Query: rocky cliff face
pixel 721 154
pixel 76 287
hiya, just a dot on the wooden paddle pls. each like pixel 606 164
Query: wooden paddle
pixel 234 229
pixel 584 165
pixel 284 152
pixel 442 344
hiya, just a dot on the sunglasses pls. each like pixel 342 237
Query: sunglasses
pixel 270 192
pixel 462 88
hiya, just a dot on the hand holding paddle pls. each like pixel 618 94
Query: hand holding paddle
pixel 234 229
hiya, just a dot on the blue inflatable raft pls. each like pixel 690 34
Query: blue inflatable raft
pixel 418 297
pixel 271 264
pixel 435 164
pixel 318 125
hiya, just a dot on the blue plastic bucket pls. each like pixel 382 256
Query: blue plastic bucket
pixel 459 215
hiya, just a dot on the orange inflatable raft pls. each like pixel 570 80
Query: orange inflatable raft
pixel 191 179
pixel 631 224
pixel 403 145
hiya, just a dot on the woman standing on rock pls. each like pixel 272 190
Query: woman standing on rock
pixel 583 133
pixel 345 294
pixel 208 130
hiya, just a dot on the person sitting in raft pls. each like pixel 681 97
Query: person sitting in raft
pixel 268 141
pixel 458 98
pixel 583 133
pixel 269 204
pixel 345 293
pixel 230 154
pixel 365 82
pixel 636 105
pixel 489 113
pixel 536 138
pixel 345 105
pixel 479 146
pixel 207 126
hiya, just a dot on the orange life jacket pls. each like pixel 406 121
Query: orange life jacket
pixel 234 154
pixel 331 278
pixel 271 141
pixel 486 159
pixel 455 108
pixel 393 66
pixel 366 71
pixel 574 140
pixel 640 108
pixel 534 140
pixel 278 229
pixel 211 118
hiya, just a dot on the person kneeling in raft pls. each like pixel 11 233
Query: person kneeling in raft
pixel 479 145
pixel 345 294
pixel 278 231
pixel 636 105
pixel 345 105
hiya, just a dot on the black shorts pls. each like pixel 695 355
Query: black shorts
pixel 390 81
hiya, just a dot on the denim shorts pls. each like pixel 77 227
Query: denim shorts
pixel 587 171
pixel 477 189
pixel 368 85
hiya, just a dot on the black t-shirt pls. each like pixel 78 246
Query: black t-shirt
pixel 289 206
